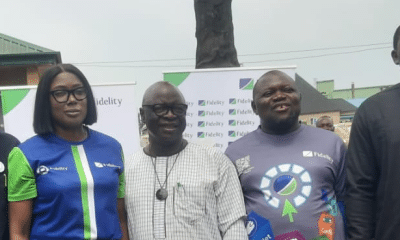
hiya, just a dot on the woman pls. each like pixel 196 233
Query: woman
pixel 66 182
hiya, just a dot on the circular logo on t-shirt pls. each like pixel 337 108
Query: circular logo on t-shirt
pixel 286 181
pixel 285 185
pixel 1 167
pixel 42 170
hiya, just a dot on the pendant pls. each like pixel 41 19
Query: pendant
pixel 161 194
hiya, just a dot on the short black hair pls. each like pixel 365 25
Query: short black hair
pixel 396 38
pixel 42 117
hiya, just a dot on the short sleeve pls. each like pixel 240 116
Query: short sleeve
pixel 121 186
pixel 230 202
pixel 21 179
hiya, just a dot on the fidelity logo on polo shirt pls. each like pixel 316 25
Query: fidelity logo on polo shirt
pixel 43 170
pixel 101 165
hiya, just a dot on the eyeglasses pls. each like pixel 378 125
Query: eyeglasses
pixel 163 109
pixel 62 96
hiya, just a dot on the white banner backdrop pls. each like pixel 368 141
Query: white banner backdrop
pixel 117 114
pixel 219 102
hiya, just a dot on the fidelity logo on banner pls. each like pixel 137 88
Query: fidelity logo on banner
pixel 234 123
pixel 246 84
pixel 233 112
pixel 237 133
pixel 190 104
pixel 108 101
pixel 187 135
pixel 210 124
pixel 210 102
pixel 234 101
pixel 210 113
pixel 209 134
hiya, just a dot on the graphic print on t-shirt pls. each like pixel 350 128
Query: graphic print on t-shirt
pixel 286 187
pixel 331 203
pixel 326 225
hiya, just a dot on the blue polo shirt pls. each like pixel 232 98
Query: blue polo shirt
pixel 74 185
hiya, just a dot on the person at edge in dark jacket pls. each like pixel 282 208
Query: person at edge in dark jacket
pixel 373 165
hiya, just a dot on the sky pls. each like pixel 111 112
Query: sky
pixel 135 41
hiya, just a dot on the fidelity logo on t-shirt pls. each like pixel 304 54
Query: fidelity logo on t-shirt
pixel 316 154
pixel 100 165
pixel 43 170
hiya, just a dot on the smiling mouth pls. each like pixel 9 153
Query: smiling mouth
pixel 169 127
pixel 281 107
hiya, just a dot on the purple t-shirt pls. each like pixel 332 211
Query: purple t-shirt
pixel 293 180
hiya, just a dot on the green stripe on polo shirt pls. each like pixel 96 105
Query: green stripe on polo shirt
pixel 83 177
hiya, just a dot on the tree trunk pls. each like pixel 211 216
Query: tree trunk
pixel 214 33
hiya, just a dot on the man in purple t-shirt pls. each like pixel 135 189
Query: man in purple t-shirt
pixel 291 174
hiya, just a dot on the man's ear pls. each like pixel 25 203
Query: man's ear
pixel 142 115
pixel 395 57
pixel 254 107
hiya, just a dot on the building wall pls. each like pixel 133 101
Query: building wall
pixel 311 119
pixel 342 129
pixel 23 75
pixel 327 89
pixel 11 76
pixel 32 75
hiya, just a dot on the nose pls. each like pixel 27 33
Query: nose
pixel 170 114
pixel 71 98
pixel 279 95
